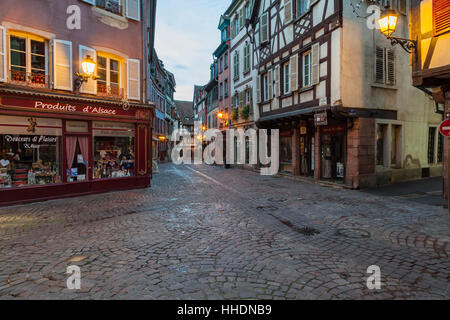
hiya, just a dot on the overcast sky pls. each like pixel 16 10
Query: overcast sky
pixel 186 37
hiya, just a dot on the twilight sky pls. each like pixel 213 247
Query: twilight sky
pixel 186 36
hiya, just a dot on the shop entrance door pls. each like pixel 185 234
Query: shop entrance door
pixel 77 158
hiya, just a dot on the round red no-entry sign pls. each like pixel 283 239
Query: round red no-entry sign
pixel 445 128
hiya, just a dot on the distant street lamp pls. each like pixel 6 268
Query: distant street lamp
pixel 88 67
pixel 388 24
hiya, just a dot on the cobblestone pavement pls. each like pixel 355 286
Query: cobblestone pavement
pixel 209 233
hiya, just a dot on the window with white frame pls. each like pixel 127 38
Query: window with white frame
pixel 28 59
pixel 286 78
pixel 236 64
pixel 385 66
pixel 307 70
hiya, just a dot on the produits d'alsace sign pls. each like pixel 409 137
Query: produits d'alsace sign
pixel 58 107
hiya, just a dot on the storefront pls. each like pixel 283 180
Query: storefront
pixel 53 146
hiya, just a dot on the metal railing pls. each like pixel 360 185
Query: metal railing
pixel 110 92
pixel 110 5
pixel 28 79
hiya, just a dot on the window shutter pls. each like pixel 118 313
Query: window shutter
pixel 2 54
pixel 134 79
pixel 390 66
pixel 294 72
pixel 315 64
pixel 62 67
pixel 270 80
pixel 264 33
pixel 91 85
pixel 379 65
pixel 258 89
pixel 287 11
pixel 133 9
pixel 277 81
pixel 241 98
pixel 89 1
pixel 441 16
pixel 238 68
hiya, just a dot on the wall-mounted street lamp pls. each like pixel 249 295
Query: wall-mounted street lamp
pixel 88 66
pixel 388 24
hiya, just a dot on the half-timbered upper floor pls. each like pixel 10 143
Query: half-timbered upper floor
pixel 431 29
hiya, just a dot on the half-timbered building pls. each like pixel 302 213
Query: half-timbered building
pixel 340 94
pixel 431 64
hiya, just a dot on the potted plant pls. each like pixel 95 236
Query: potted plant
pixel 235 114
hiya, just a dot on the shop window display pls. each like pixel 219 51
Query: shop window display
pixel 113 151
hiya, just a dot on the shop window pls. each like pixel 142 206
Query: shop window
pixel 108 71
pixel 30 151
pixel 396 135
pixel 28 58
pixel 113 150
pixel 431 144
pixel 381 143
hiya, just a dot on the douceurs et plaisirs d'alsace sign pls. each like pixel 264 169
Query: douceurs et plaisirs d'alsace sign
pixel 63 107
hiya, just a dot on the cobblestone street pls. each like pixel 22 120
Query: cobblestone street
pixel 208 233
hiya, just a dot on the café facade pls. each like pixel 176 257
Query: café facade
pixel 55 145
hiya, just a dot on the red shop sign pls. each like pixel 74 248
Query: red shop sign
pixel 333 129
pixel 63 107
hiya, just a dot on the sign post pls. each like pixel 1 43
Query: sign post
pixel 445 131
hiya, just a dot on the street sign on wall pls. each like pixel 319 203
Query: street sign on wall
pixel 445 128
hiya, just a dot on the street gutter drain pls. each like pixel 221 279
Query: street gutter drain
pixel 353 233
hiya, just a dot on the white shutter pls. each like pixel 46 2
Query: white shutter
pixel 390 66
pixel 294 72
pixel 258 89
pixel 62 65
pixel 287 11
pixel 270 84
pixel 134 79
pixel 264 33
pixel 133 9
pixel 277 81
pixel 2 54
pixel 315 69
pixel 91 85
pixel 89 1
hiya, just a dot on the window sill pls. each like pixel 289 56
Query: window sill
pixel 304 89
pixel 383 86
